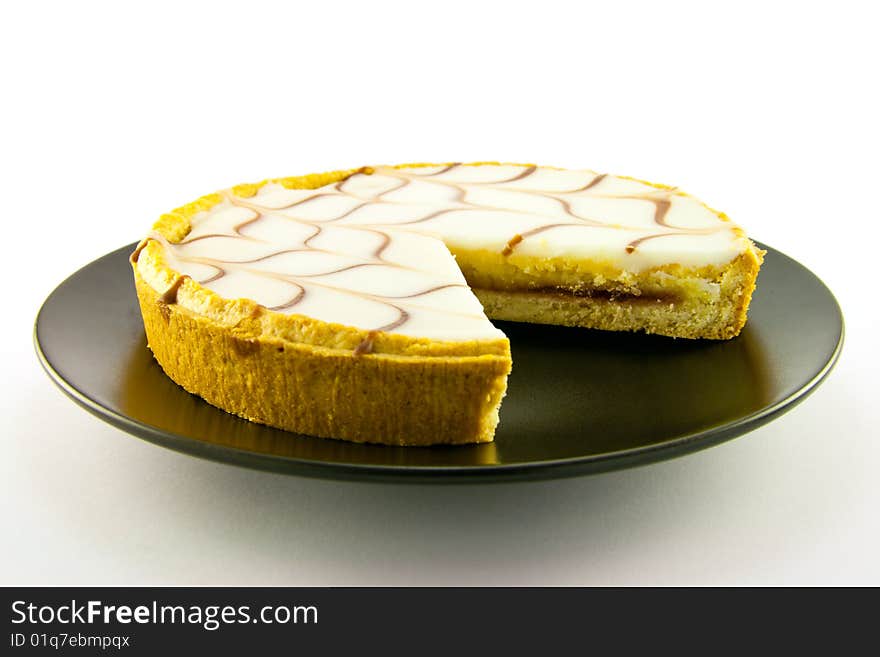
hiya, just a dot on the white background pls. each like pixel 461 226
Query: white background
pixel 112 114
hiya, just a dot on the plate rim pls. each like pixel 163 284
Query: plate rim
pixel 530 470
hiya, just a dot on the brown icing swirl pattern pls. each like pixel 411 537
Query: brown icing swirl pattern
pixel 369 251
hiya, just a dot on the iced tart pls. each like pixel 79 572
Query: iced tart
pixel 355 304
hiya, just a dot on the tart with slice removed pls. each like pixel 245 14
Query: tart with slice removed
pixel 355 304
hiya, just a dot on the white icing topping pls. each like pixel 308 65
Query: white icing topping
pixel 370 251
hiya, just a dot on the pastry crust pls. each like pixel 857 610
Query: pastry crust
pixel 321 391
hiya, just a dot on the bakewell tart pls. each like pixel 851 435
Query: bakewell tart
pixel 355 304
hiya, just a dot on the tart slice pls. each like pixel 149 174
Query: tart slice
pixel 354 304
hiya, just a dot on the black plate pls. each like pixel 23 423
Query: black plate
pixel 578 402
